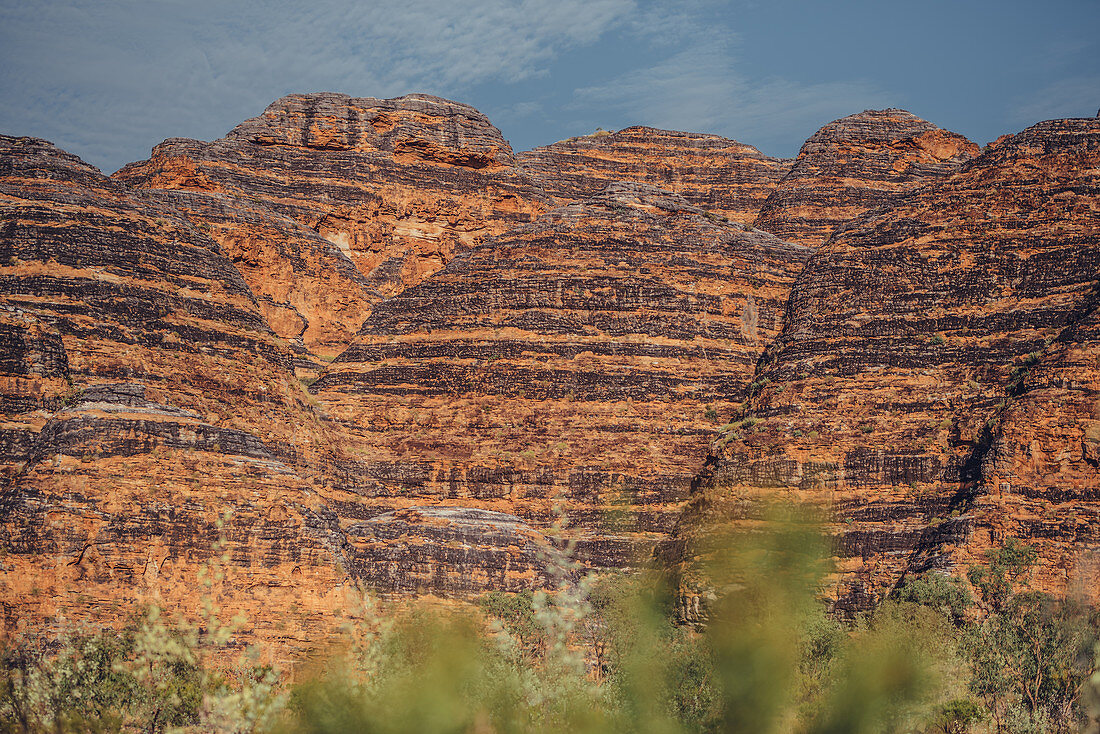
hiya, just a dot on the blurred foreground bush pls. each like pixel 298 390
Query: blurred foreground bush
pixel 606 655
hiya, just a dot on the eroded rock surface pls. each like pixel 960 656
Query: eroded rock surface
pixel 449 550
pixel 855 164
pixel 928 376
pixel 583 360
pixel 395 188
pixel 722 176
pixel 906 338
pixel 144 398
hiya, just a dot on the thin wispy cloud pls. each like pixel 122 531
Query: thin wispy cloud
pixel 108 79
pixel 701 88
pixel 97 76
pixel 1073 97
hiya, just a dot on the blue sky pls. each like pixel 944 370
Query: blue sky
pixel 108 79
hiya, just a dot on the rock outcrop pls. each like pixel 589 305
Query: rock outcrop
pixel 855 164
pixel 144 398
pixel 518 351
pixel 329 203
pixel 893 396
pixel 582 361
pixel 724 177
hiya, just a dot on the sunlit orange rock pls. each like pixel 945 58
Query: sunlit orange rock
pixel 892 398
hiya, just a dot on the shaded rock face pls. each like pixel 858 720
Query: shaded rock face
pixel 583 360
pixel 143 398
pixel 933 384
pixel 329 203
pixel 1041 475
pixel 448 550
pixel 723 176
pixel 855 164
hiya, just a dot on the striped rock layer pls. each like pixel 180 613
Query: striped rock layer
pixel 855 164
pixel 935 382
pixel 329 203
pixel 487 361
pixel 725 177
pixel 143 398
pixel 582 361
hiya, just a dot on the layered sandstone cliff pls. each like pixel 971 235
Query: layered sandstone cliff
pixel 932 383
pixel 855 164
pixel 505 340
pixel 329 203
pixel 725 177
pixel 582 361
pixel 144 398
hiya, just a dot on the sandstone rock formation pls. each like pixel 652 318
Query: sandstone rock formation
pixel 1041 476
pixel 725 177
pixel 501 338
pixel 144 397
pixel 329 203
pixel 582 360
pixel 855 164
pixel 908 337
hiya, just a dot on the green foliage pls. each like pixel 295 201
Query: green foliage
pixel 957 716
pixel 1029 655
pixel 605 655
pixel 1008 566
pixel 1028 662
pixel 144 676
pixel 941 592
pixel 515 614
pixel 757 385
pixel 889 675
pixel 716 218
pixel 1090 695
pixel 154 675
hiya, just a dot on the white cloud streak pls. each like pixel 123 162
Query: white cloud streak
pixel 701 89
pixel 98 76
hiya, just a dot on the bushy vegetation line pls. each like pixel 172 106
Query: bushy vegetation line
pixel 606 656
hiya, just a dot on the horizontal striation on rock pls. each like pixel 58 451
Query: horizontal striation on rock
pixel 1041 475
pixel 394 187
pixel 723 176
pixel 583 361
pixel 144 398
pixel 900 363
pixel 448 550
pixel 855 164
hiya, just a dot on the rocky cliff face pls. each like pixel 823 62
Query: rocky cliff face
pixel 502 338
pixel 855 164
pixel 583 360
pixel 1041 476
pixel 329 203
pixel 144 397
pixel 919 341
pixel 725 177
